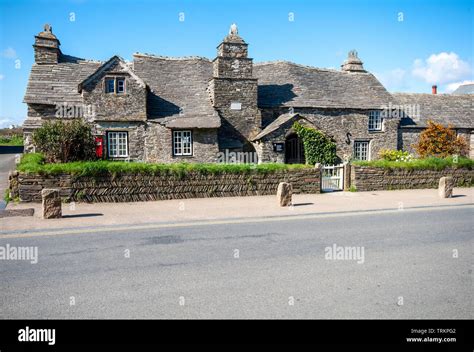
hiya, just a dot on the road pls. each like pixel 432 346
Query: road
pixel 417 264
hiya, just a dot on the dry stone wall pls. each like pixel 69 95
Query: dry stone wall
pixel 378 179
pixel 130 188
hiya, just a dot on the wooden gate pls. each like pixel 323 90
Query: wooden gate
pixel 332 178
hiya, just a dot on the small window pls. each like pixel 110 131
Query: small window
pixel 375 121
pixel 109 85
pixel 182 143
pixel 235 105
pixel 361 150
pixel 117 144
pixel 120 85
pixel 115 85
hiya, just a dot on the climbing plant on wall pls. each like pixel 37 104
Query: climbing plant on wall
pixel 318 148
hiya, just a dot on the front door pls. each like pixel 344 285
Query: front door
pixel 294 151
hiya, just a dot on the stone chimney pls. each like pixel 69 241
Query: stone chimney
pixel 434 89
pixel 352 63
pixel 46 47
pixel 234 89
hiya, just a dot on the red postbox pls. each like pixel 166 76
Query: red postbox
pixel 99 146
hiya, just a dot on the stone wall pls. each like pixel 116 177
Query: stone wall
pixel 127 106
pixel 130 188
pixel 377 179
pixel 336 123
pixel 158 145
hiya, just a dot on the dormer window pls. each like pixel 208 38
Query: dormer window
pixel 115 85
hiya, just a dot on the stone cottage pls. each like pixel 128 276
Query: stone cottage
pixel 160 109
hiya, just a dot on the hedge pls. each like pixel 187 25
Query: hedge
pixel 34 163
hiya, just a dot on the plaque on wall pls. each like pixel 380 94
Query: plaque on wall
pixel 278 147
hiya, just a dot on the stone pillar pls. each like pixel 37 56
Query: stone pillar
pixel 347 176
pixel 51 203
pixel 284 194
pixel 445 188
pixel 13 184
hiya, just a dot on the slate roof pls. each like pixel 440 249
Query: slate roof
pixel 287 84
pixel 57 83
pixel 442 108
pixel 106 66
pixel 178 95
pixel 274 125
pixel 465 89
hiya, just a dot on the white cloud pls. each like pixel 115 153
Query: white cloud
pixel 7 122
pixel 453 86
pixel 441 68
pixel 2 77
pixel 9 53
pixel 393 80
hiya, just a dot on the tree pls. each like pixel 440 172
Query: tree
pixel 440 141
pixel 64 141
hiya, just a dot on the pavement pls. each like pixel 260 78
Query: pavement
pixel 417 264
pixel 77 215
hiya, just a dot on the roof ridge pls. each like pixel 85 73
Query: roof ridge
pixel 172 58
pixel 428 94
pixel 298 65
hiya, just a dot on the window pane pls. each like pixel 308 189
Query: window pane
pixel 361 150
pixel 112 144
pixel 120 85
pixel 109 85
pixel 375 120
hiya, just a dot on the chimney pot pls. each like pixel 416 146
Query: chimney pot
pixel 434 89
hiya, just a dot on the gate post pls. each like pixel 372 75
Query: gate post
pixel 347 175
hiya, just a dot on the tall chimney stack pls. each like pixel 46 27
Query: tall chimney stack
pixel 434 89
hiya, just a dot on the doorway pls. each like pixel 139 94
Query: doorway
pixel 294 150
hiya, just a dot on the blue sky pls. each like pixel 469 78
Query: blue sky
pixel 409 45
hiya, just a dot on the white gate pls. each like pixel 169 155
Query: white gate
pixel 332 178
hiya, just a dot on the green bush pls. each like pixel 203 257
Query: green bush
pixel 318 148
pixel 65 141
pixel 35 163
pixel 421 164
pixel 395 155
pixel 12 140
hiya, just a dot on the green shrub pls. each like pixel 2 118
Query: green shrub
pixel 352 188
pixel 318 148
pixel 65 141
pixel 395 155
pixel 11 140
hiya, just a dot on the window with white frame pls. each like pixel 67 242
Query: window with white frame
pixel 115 85
pixel 182 143
pixel 375 120
pixel 117 144
pixel 361 150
